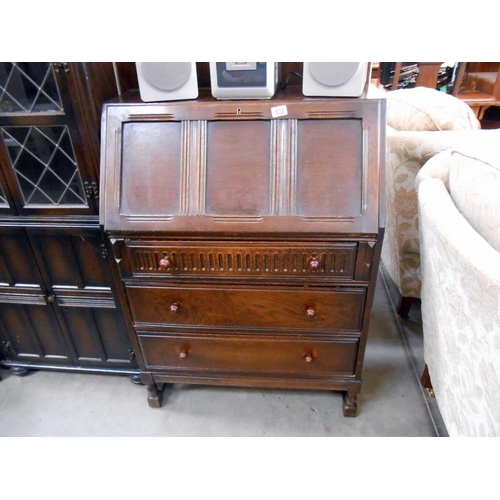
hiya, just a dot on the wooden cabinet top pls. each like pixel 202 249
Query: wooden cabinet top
pixel 287 165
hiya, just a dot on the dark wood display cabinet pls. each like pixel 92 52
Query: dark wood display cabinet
pixel 58 305
pixel 247 246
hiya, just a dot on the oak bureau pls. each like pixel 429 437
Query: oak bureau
pixel 247 246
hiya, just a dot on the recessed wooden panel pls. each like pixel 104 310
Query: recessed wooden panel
pixel 86 338
pixel 17 266
pixel 96 328
pixel 114 334
pixel 151 165
pixel 238 168
pixel 33 332
pixel 90 260
pixel 19 331
pixel 329 168
pixel 72 260
pixel 99 335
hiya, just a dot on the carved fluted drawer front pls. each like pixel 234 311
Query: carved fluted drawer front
pixel 336 260
pixel 311 308
pixel 250 354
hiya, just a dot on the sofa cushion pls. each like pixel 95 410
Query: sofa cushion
pixel 474 185
pixel 423 108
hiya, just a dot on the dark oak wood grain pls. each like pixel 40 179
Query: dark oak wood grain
pixel 247 247
pixel 59 308
pixel 255 356
pixel 264 307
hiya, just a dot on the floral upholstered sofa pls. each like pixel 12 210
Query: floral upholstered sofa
pixel 459 207
pixel 421 122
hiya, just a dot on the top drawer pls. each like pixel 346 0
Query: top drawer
pixel 334 260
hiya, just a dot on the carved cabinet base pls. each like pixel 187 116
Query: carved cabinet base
pixel 247 247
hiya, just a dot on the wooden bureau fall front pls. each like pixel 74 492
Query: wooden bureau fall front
pixel 247 247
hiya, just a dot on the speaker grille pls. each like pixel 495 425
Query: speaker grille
pixel 166 75
pixel 333 74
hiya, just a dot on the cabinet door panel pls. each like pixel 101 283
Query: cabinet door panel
pixel 76 272
pixel 31 333
pixel 98 336
pixel 17 265
pixel 71 258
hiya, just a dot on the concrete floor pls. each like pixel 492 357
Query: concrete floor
pixel 391 402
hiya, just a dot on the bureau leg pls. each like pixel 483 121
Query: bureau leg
pixel 155 395
pixel 351 400
pixel 350 405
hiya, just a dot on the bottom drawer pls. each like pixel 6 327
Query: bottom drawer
pixel 249 354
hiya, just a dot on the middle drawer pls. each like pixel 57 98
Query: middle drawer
pixel 311 308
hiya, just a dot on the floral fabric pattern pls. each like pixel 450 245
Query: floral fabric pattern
pixel 475 191
pixel 423 108
pixel 460 295
pixel 406 154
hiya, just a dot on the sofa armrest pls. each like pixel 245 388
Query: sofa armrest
pixel 422 108
pixel 407 153
pixel 460 240
pixel 460 314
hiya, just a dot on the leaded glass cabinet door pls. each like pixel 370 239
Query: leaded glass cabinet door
pixel 42 153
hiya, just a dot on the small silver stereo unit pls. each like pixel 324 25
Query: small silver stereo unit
pixel 244 80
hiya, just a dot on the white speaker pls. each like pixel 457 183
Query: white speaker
pixel 334 79
pixel 167 81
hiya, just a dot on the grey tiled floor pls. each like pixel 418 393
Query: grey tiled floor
pixel 391 402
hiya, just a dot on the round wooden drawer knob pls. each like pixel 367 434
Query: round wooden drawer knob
pixel 314 263
pixel 174 308
pixel 183 354
pixel 309 358
pixel 165 263
pixel 311 312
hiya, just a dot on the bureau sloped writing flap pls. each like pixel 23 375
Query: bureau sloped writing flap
pixel 317 169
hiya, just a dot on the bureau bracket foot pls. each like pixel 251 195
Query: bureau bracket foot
pixel 350 405
pixel 155 395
